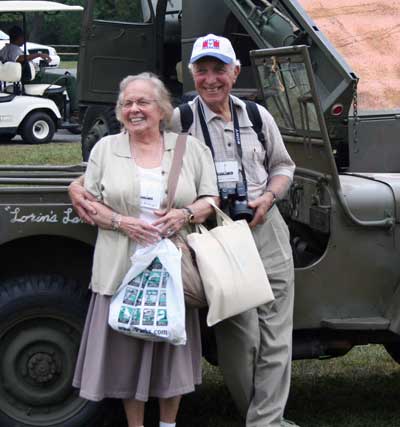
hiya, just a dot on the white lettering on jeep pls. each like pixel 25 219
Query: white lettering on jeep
pixel 16 216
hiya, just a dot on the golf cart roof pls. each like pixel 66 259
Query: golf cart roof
pixel 36 6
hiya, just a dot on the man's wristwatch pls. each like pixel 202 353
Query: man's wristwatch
pixel 189 215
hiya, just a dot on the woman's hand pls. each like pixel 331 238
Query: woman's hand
pixel 139 230
pixel 82 201
pixel 171 222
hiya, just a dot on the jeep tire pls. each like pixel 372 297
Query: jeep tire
pixel 98 121
pixel 41 321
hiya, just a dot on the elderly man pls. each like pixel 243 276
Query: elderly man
pixel 255 347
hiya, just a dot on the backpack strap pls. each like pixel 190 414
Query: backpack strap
pixel 255 118
pixel 186 117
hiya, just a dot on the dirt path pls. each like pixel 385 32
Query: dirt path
pixel 367 34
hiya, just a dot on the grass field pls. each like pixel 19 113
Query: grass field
pixel 68 64
pixel 53 153
pixel 360 389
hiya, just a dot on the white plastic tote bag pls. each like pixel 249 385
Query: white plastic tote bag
pixel 149 304
pixel 230 266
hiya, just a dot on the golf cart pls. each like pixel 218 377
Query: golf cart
pixel 33 110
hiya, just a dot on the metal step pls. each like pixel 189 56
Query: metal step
pixel 357 323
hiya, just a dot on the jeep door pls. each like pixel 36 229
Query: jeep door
pixel 118 38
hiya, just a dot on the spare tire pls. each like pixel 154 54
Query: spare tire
pixel 41 321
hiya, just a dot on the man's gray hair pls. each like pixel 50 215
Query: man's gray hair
pixel 235 63
pixel 163 97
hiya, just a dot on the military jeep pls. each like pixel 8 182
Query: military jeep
pixel 344 225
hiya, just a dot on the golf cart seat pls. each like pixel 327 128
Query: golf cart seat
pixel 28 73
pixel 42 89
pixel 9 72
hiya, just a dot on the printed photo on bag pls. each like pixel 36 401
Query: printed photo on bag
pixel 148 316
pixel 154 279
pixel 130 295
pixel 139 298
pixel 125 314
pixel 136 316
pixel 151 297
pixel 136 281
pixel 162 301
pixel 162 319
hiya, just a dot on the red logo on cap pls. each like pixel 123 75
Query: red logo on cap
pixel 211 44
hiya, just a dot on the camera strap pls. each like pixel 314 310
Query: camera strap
pixel 236 133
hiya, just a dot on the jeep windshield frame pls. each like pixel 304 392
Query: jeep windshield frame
pixel 285 78
pixel 286 83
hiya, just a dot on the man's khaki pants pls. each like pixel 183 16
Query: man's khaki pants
pixel 255 347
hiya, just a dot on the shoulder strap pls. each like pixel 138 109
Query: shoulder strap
pixel 175 170
pixel 186 117
pixel 255 118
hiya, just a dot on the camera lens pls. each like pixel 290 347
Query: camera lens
pixel 240 210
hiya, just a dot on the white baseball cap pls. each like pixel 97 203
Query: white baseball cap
pixel 215 46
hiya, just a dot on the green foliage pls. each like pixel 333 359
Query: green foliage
pixel 118 10
pixel 48 28
pixel 65 27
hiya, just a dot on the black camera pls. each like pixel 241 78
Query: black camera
pixel 235 199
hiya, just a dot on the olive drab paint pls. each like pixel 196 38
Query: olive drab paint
pixel 344 226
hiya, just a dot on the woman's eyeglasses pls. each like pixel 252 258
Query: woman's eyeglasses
pixel 140 103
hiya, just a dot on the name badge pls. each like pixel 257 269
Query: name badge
pixel 227 171
pixel 150 193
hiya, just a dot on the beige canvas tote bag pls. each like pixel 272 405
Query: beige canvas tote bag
pixel 231 269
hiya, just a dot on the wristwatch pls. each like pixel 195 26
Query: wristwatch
pixel 189 215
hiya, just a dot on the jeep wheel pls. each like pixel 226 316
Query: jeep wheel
pixel 37 128
pixel 41 320
pixel 97 122
pixel 394 350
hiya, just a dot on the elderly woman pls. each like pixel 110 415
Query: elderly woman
pixel 127 174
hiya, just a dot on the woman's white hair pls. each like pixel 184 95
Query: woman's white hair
pixel 162 96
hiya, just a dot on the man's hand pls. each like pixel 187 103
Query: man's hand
pixel 81 202
pixel 261 206
pixel 45 57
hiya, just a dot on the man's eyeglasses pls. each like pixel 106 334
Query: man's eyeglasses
pixel 141 103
